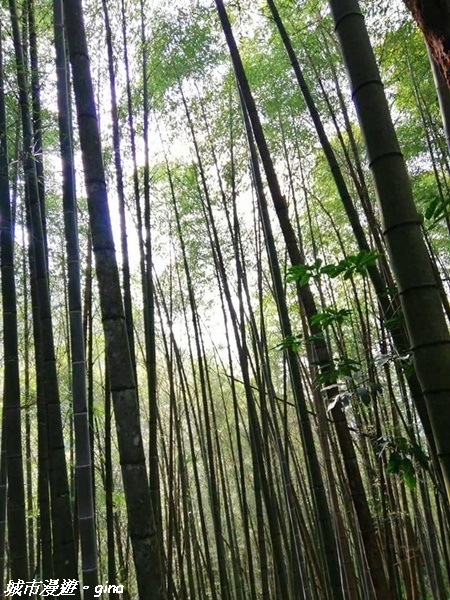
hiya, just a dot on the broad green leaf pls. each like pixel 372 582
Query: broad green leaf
pixel 364 395
pixel 419 455
pixel 394 463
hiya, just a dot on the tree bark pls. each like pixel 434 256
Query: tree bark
pixel 433 18
pixel 418 289
pixel 123 385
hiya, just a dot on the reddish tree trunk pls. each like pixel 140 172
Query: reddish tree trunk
pixel 433 18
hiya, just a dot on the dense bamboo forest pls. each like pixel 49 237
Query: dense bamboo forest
pixel 225 298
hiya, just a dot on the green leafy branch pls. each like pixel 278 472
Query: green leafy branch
pixel 290 342
pixel 404 458
pixel 436 208
pixel 360 390
pixel 349 266
pixel 340 368
pixel 329 316
pixel 321 319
